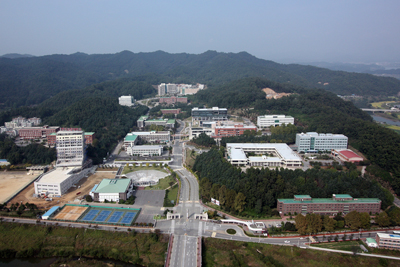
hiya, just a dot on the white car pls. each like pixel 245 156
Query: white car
pixel 287 241
pixel 301 237
pixel 265 234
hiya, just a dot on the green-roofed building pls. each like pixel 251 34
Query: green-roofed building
pixel 141 120
pixel 343 203
pixel 89 137
pixel 130 140
pixel 113 190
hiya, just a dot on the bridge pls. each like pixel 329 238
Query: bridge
pixel 381 110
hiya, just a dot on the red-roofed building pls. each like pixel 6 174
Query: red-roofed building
pixel 347 155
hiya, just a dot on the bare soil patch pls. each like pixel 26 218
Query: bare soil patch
pixel 272 94
pixel 12 181
pixel 86 184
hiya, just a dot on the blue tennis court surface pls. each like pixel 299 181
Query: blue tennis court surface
pixel 115 217
pixel 90 215
pixel 102 216
pixel 128 217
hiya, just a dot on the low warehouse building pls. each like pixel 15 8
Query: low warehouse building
pixel 113 190
pixel 347 155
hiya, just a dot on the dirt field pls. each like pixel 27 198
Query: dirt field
pixel 71 213
pixel 10 182
pixel 272 94
pixel 86 185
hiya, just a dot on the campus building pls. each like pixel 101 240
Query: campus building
pixel 71 148
pixel 273 120
pixel 23 122
pixel 343 203
pixel 37 132
pixel 388 241
pixel 126 100
pixel 234 130
pixel 141 120
pixel 173 100
pixel 347 155
pixel 196 131
pixel 89 137
pixel 112 190
pixel 57 181
pixel 145 150
pixel 312 141
pixel 209 114
pixel 271 155
pixel 171 111
pixel 154 136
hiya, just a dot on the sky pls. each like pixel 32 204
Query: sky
pixel 286 31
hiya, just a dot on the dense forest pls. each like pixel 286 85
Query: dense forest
pixel 30 154
pixel 262 187
pixel 31 80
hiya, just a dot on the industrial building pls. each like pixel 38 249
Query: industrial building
pixel 126 100
pixel 343 203
pixel 209 114
pixel 57 181
pixel 145 151
pixel 388 241
pixel 312 141
pixel 71 148
pixel 273 120
pixel 112 190
pixel 347 155
pixel 271 155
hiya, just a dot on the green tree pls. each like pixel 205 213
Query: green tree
pixel 365 220
pixel 314 223
pixel 394 214
pixel 353 220
pixel 240 202
pixel 230 199
pixel 222 195
pixel 215 191
pixel 382 219
pixel 301 224
pixel 329 224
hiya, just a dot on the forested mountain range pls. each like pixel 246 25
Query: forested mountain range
pixel 31 80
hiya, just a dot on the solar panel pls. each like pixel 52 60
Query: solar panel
pixel 115 217
pixel 90 215
pixel 102 216
pixel 128 218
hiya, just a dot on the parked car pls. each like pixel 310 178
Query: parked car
pixel 287 241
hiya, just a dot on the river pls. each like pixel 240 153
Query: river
pixel 387 121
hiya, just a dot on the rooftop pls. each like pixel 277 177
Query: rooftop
pixel 371 240
pixel 348 153
pixel 143 118
pixel 382 235
pixel 315 134
pixel 330 200
pixel 302 196
pixel 56 176
pixel 89 133
pixel 113 186
pixel 342 196
pixel 150 133
pixel 130 137
pixel 281 148
pixel 51 211
pixel 171 121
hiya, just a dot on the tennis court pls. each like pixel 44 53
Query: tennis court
pixel 128 218
pixel 90 215
pixel 115 217
pixel 102 217
pixel 71 213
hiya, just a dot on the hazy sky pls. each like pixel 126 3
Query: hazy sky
pixel 279 30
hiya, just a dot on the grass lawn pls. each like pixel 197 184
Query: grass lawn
pixel 162 184
pixel 218 252
pixel 134 169
pixel 344 245
pixel 189 158
pixel 171 195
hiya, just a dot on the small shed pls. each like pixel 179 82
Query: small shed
pixel 372 243
pixel 48 213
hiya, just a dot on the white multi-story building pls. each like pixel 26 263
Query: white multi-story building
pixel 71 148
pixel 273 120
pixel 196 131
pixel 145 151
pixel 172 88
pixel 153 136
pixel 59 180
pixel 271 155
pixel 312 141
pixel 126 100
pixel 209 114
pixel 162 89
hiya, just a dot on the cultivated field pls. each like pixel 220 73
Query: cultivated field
pixel 12 181
pixel 71 213
pixel 86 184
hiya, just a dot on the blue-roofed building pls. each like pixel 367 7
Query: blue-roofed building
pixel 50 212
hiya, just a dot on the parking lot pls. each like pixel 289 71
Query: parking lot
pixel 151 203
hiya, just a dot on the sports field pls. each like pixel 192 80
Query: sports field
pixel 70 213
pixel 12 181
pixel 98 214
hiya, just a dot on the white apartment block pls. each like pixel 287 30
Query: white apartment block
pixel 145 151
pixel 126 100
pixel 282 155
pixel 273 120
pixel 312 141
pixel 71 149
pixel 162 89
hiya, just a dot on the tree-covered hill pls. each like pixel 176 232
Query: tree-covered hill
pixel 31 80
